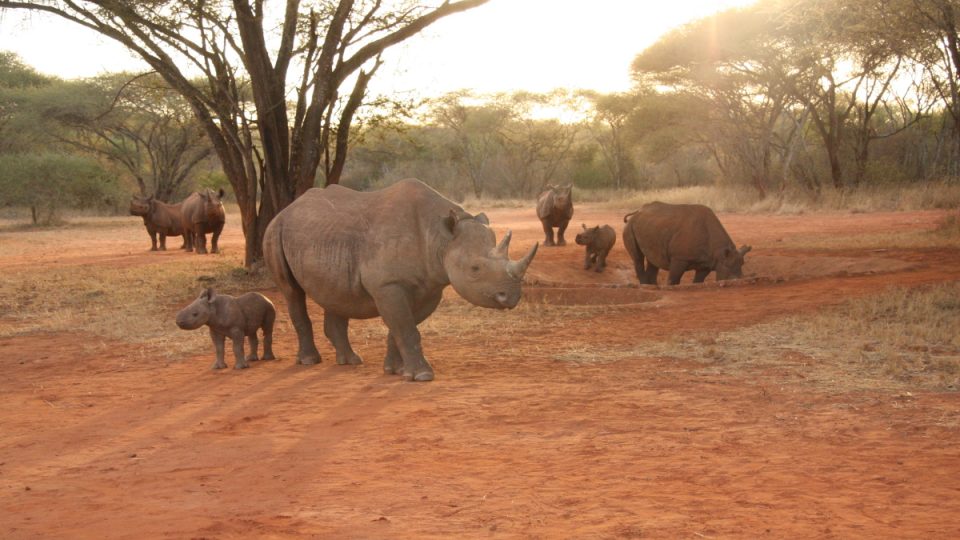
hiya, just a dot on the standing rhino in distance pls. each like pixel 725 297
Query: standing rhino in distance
pixel 555 209
pixel 160 219
pixel 203 213
pixel 387 253
pixel 598 242
pixel 680 237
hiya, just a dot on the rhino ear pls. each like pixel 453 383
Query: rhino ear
pixel 207 294
pixel 584 225
pixel 221 193
pixel 451 220
pixel 482 218
pixel 744 250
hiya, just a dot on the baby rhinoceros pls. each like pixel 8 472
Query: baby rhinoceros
pixel 233 317
pixel 599 241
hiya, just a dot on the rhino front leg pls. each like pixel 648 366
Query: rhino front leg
pixel 200 240
pixel 214 248
pixel 677 268
pixel 588 261
pixel 548 234
pixel 560 231
pixel 153 240
pixel 394 306
pixel 601 262
pixel 218 340
pixel 700 276
pixel 163 242
pixel 335 328
pixel 393 361
pixel 650 274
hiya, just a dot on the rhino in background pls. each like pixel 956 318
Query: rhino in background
pixel 160 219
pixel 203 213
pixel 680 237
pixel 387 253
pixel 555 209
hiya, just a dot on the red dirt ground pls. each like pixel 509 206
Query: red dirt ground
pixel 117 445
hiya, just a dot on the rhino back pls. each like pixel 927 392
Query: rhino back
pixel 606 238
pixel 690 232
pixel 545 204
pixel 167 218
pixel 339 243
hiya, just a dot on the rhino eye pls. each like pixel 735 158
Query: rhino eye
pixel 475 268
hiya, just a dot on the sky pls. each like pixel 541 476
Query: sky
pixel 502 46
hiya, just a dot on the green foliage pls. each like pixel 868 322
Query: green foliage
pixel 49 182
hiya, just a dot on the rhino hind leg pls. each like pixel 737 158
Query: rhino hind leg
pixel 677 268
pixel 307 353
pixel 254 345
pixel 335 328
pixel 700 276
pixel 268 335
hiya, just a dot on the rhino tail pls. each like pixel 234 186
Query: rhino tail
pixel 276 259
pixel 626 218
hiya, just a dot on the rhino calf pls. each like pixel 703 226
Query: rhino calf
pixel 598 241
pixel 233 317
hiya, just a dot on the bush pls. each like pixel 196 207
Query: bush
pixel 47 182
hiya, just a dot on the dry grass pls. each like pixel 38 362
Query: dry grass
pixel 900 340
pixel 131 304
pixel 929 195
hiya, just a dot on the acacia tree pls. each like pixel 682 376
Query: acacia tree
pixel 270 150
pixel 137 123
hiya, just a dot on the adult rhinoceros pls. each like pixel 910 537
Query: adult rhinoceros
pixel 677 238
pixel 387 253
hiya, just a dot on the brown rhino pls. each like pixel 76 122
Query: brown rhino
pixel 203 213
pixel 160 219
pixel 598 241
pixel 555 209
pixel 680 237
pixel 387 253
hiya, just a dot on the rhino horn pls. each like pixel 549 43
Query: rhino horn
pixel 504 245
pixel 744 249
pixel 518 268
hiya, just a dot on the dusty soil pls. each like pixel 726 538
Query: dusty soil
pixel 113 440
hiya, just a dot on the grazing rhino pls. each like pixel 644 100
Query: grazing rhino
pixel 680 237
pixel 159 218
pixel 598 241
pixel 203 213
pixel 235 318
pixel 555 209
pixel 387 253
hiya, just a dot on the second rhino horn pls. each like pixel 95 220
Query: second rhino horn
pixel 504 245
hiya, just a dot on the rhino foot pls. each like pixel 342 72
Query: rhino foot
pixel 423 376
pixel 308 359
pixel 352 359
pixel 239 365
pixel 252 358
pixel 269 356
pixel 562 243
pixel 219 365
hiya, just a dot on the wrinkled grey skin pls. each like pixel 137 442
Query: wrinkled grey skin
pixel 680 237
pixel 555 209
pixel 160 219
pixel 235 318
pixel 387 253
pixel 598 241
pixel 203 213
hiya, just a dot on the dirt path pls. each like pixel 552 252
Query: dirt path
pixel 507 442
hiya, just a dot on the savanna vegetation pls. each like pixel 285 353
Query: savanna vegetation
pixel 777 106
